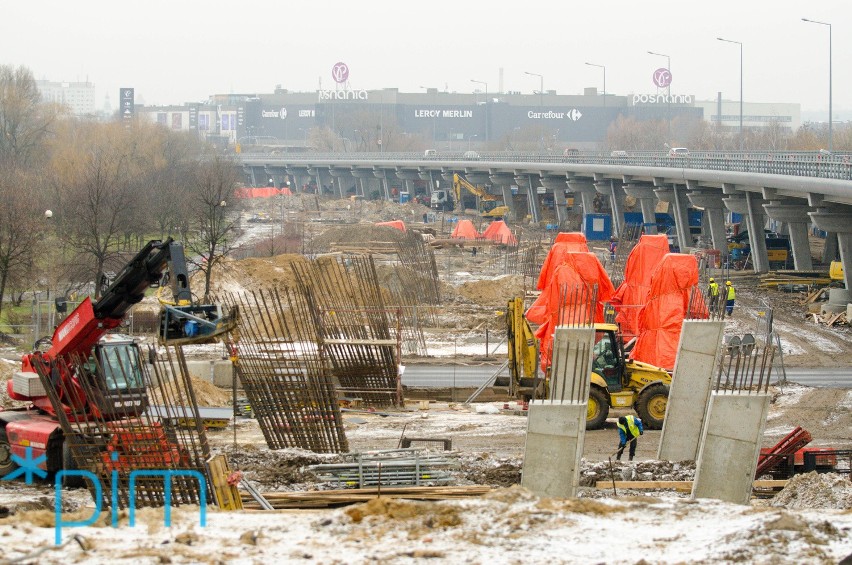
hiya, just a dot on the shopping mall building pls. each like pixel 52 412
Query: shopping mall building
pixel 365 120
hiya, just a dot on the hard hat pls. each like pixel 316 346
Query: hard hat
pixel 712 279
pixel 728 283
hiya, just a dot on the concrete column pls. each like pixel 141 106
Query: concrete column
pixel 532 195
pixel 839 222
pixel 557 185
pixel 829 252
pixel 692 381
pixel 681 218
pixel 556 427
pixel 648 202
pixel 587 191
pixel 730 446
pixel 746 204
pixel 714 213
pixel 608 188
pixel 795 217
pixel 505 181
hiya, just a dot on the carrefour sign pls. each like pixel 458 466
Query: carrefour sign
pixel 281 114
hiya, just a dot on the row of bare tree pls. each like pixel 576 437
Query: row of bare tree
pixel 109 188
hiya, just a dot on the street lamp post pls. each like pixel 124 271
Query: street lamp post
pixel 741 85
pixel 469 139
pixel 434 109
pixel 486 105
pixel 540 88
pixel 604 79
pixel 668 89
pixel 830 138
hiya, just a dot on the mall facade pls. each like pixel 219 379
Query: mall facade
pixel 376 120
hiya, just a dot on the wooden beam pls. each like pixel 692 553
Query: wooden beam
pixel 679 485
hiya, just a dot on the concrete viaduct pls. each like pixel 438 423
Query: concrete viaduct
pixel 798 189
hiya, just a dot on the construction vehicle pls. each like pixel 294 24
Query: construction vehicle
pixel 835 271
pixel 488 205
pixel 616 380
pixel 112 367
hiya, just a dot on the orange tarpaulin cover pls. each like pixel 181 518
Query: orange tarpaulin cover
pixel 576 270
pixel 465 230
pixel 398 224
pixel 673 282
pixel 632 294
pixel 565 243
pixel 498 231
pixel 261 192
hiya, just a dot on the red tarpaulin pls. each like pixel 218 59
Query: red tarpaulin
pixel 397 224
pixel 673 282
pixel 565 243
pixel 498 231
pixel 576 270
pixel 261 192
pixel 632 294
pixel 465 230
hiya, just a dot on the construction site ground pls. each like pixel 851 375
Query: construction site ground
pixel 810 520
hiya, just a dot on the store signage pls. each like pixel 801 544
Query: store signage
pixel 662 99
pixel 662 77
pixel 573 114
pixel 282 113
pixel 443 113
pixel 340 72
pixel 342 94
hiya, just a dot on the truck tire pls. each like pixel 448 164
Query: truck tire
pixel 68 464
pixel 6 463
pixel 651 405
pixel 598 408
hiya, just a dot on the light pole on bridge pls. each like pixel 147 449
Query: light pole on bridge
pixel 830 139
pixel 486 105
pixel 741 85
pixel 604 79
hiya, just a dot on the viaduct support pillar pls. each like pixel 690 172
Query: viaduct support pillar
pixel 616 196
pixel 648 202
pixel 714 212
pixel 795 217
pixel 587 191
pixel 841 223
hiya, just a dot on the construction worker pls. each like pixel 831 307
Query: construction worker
pixel 629 430
pixel 730 297
pixel 613 246
pixel 713 294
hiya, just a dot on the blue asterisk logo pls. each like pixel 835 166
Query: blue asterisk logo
pixel 27 466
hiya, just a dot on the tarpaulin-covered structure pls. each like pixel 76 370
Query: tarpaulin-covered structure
pixel 261 192
pixel 632 294
pixel 673 292
pixel 566 242
pixel 465 230
pixel 581 271
pixel 396 224
pixel 498 231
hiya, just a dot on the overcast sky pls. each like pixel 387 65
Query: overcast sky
pixel 185 50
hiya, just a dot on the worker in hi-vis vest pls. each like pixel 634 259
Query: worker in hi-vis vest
pixel 713 294
pixel 629 429
pixel 730 297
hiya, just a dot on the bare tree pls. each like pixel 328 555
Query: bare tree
pixel 22 226
pixel 95 170
pixel 25 121
pixel 213 221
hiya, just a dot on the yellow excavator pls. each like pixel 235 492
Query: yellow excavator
pixel 616 380
pixel 488 205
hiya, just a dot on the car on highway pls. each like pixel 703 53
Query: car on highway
pixel 471 156
pixel 618 154
pixel 678 152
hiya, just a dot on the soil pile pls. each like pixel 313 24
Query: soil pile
pixel 493 293
pixel 816 490
pixel 206 394
pixel 256 273
pixel 368 236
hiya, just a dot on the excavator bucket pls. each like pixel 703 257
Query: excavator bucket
pixel 195 324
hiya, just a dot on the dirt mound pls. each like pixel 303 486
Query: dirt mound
pixel 368 236
pixel 206 393
pixel 492 293
pixel 255 273
pixel 816 490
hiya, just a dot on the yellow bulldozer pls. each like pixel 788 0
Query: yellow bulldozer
pixel 616 380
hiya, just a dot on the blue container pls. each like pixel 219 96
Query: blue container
pixel 404 197
pixel 597 227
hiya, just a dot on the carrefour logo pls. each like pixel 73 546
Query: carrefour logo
pixel 282 113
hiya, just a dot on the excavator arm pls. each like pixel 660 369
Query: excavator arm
pixel 523 351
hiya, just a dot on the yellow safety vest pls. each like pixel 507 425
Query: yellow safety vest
pixel 732 294
pixel 714 289
pixel 631 423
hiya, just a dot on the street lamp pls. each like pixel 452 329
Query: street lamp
pixel 741 85
pixel 540 88
pixel 668 89
pixel 486 105
pixel 469 139
pixel 604 79
pixel 830 139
